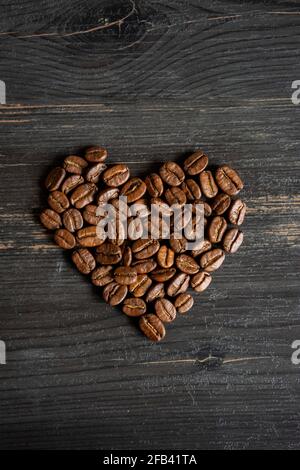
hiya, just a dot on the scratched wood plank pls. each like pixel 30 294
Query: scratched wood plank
pixel 168 78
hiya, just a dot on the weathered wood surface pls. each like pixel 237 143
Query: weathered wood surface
pixel 151 81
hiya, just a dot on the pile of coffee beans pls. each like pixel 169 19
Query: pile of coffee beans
pixel 148 278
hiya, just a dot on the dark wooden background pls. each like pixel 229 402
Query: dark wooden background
pixel 152 81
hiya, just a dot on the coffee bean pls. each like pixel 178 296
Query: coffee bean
pixel 144 266
pixel 117 233
pixel 206 207
pixel 163 274
pixel 172 174
pixel 55 178
pixel 140 286
pixel 74 164
pixel 84 260
pixel 176 196
pixel 64 239
pixel 116 175
pixel 161 206
pixel 72 220
pixel 89 215
pixel 108 253
pixel 134 307
pixel 212 260
pixel 208 185
pixel 96 154
pixel 146 248
pixel 107 194
pixel 165 257
pixel 196 163
pixel 178 245
pixel 216 229
pixel 71 183
pixel 233 239
pixel 220 203
pixel 229 180
pixel 94 172
pixel 88 237
pixel 165 310
pixel 134 189
pixel 102 276
pixel 155 292
pixel 205 245
pixel 187 264
pixel 154 184
pixel 152 327
pixel 183 303
pixel 237 212
pixel 139 208
pixel 191 189
pixel 83 195
pixel 114 293
pixel 58 201
pixel 201 281
pixel 127 256
pixel 178 285
pixel 50 219
pixel 125 275
pixel 136 229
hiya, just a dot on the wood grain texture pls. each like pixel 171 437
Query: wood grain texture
pixel 152 81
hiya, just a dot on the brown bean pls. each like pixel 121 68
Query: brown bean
pixel 229 180
pixel 154 184
pixel 90 216
pixel 58 201
pixel 208 185
pixel 163 274
pixel 178 285
pixel 72 220
pixel 237 212
pixel 152 327
pixel 84 260
pixel 212 260
pixel 187 264
pixel 114 293
pixel 64 239
pixel 196 163
pixel 55 178
pixel 94 172
pixel 183 303
pixel 50 219
pixel 71 183
pixel 88 237
pixel 108 253
pixel 157 291
pixel 144 266
pixel 140 286
pixel 145 248
pixel 83 195
pixel 172 174
pixel 134 189
pixel 165 310
pixel 96 154
pixel 220 203
pixel 201 281
pixel 233 239
pixel 125 275
pixel 134 307
pixel 116 175
pixel 102 276
pixel 74 164
pixel 165 257
pixel 216 229
pixel 175 196
pixel 191 189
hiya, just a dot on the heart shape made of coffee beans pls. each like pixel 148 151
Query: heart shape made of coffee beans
pixel 148 277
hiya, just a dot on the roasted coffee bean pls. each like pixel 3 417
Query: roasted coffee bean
pixel 108 253
pixel 50 219
pixel 74 164
pixel 220 203
pixel 116 233
pixel 178 285
pixel 134 189
pixel 206 207
pixel 196 163
pixel 155 292
pixel 172 174
pixel 84 260
pixel 83 195
pixel 165 310
pixel 55 178
pixel 216 229
pixel 165 257
pixel 143 249
pixel 208 185
pixel 134 307
pixel 96 154
pixel 161 206
pixel 237 212
pixel 176 196
pixel 125 275
pixel 191 189
pixel 144 266
pixel 72 220
pixel 201 281
pixel 58 201
pixel 89 215
pixel 229 180
pixel 114 293
pixel 140 286
pixel 136 229
pixel 205 245
pixel 154 184
pixel 183 303
pixel 64 239
pixel 152 327
pixel 163 274
pixel 233 239
pixel 107 194
pixel 127 256
pixel 102 276
pixel 94 172
pixel 194 229
pixel 116 175
pixel 88 237
pixel 187 264
pixel 139 209
pixel 71 183
pixel 212 260
pixel 178 245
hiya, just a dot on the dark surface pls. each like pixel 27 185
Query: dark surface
pixel 151 81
